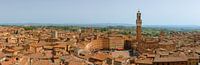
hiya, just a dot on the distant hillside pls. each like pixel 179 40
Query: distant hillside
pixel 70 24
pixel 104 25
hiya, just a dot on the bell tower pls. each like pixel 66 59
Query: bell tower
pixel 139 27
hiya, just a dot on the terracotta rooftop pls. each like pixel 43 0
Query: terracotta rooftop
pixel 2 55
pixel 42 62
pixel 176 57
pixel 76 63
pixel 144 61
pixel 100 56
pixel 10 61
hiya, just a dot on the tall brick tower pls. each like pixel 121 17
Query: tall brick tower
pixel 139 27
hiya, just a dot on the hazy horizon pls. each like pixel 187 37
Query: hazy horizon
pixel 93 24
pixel 154 12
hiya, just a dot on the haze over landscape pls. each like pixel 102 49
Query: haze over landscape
pixel 155 12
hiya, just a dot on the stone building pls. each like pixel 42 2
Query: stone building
pixel 148 45
pixel 166 58
pixel 54 34
pixel 167 45
pixel 116 42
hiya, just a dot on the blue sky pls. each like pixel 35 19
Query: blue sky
pixel 154 12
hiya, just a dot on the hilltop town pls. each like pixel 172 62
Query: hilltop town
pixel 93 46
